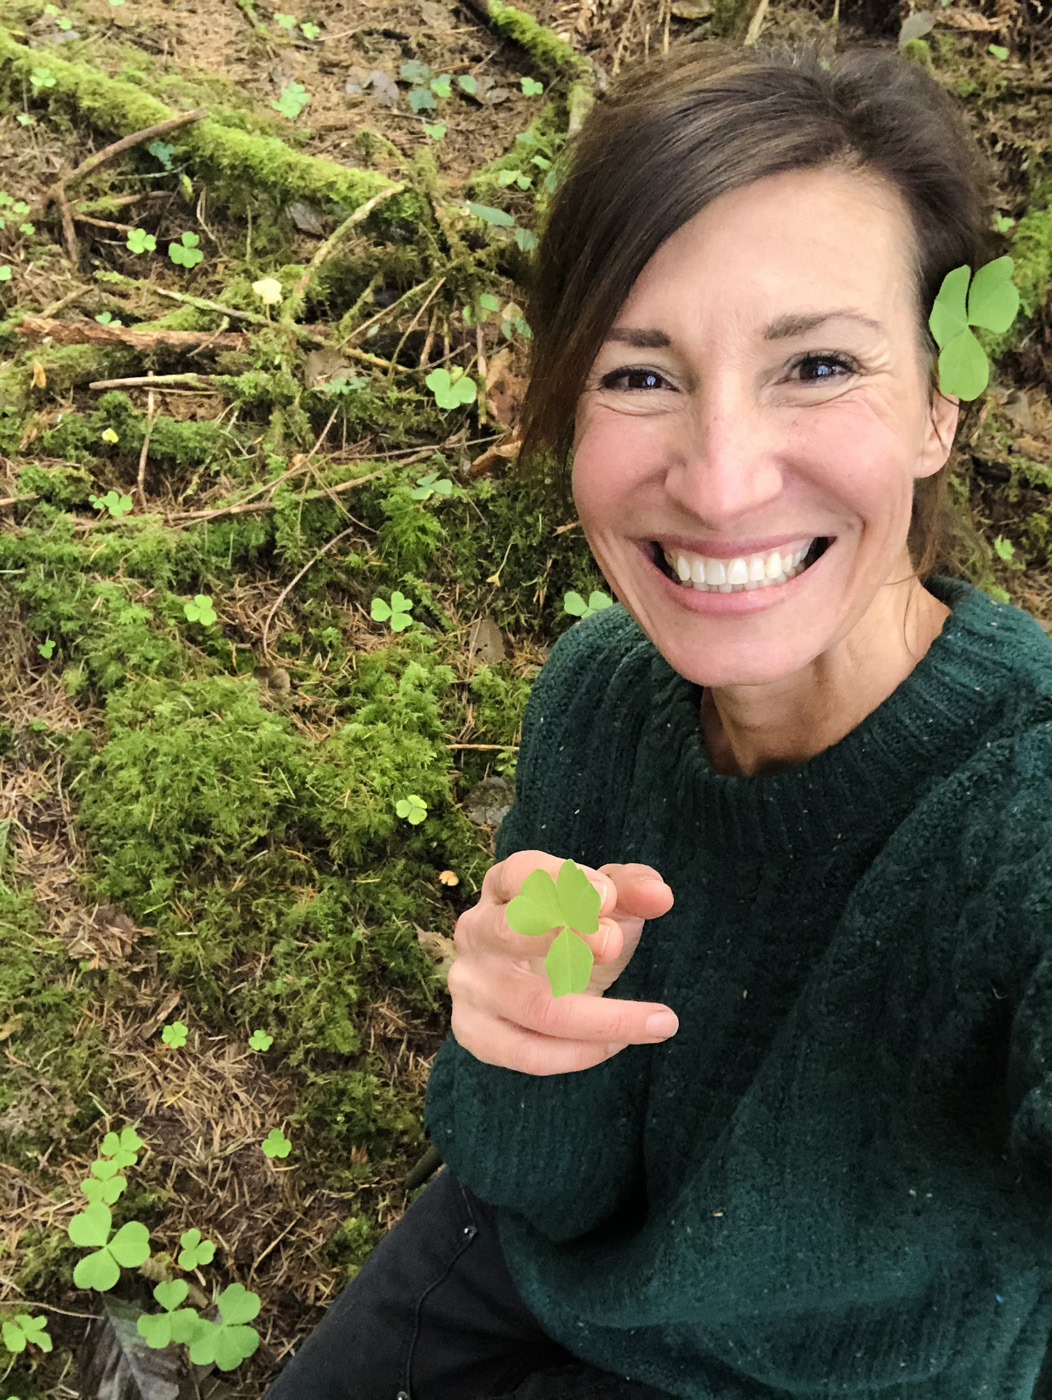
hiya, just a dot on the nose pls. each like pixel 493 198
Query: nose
pixel 724 466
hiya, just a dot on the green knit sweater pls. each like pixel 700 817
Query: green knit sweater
pixel 835 1180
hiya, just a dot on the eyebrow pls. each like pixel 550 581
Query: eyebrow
pixel 782 328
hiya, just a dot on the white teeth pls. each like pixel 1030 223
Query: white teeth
pixel 737 575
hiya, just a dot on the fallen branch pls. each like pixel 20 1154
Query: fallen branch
pixel 295 302
pixel 92 333
pixel 204 382
pixel 57 192
pixel 140 479
pixel 224 155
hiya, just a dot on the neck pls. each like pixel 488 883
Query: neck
pixel 753 730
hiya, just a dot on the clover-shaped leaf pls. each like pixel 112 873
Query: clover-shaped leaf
pixel 397 611
pixel 309 30
pixel 449 392
pixel 174 1035
pixel 228 1342
pixel 468 84
pixel 139 241
pixel 576 606
pixel 128 1248
pixel 108 434
pixel 105 1191
pixel 259 1040
pixel 175 1324
pixel 531 87
pixel 992 302
pixel 123 1148
pixel 276 1144
pixel 200 610
pixel 414 71
pixel 115 504
pixel 569 902
pixel 430 485
pixel 436 130
pixel 413 808
pixel 47 649
pixel 195 1251
pixel 294 97
pixel 422 100
pixel 25 1330
pixel 186 253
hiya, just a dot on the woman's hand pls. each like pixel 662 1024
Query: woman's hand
pixel 503 1009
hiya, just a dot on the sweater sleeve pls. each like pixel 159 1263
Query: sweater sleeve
pixel 562 1150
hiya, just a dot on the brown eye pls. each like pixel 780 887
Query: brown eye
pixel 630 378
pixel 846 367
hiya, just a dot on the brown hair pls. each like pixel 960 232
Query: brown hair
pixel 676 133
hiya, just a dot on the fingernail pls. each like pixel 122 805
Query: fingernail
pixel 662 1023
pixel 615 1046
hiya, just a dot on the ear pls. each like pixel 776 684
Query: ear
pixel 939 435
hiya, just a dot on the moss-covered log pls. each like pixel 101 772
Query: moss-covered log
pixel 228 158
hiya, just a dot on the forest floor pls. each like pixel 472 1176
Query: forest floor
pixel 223 922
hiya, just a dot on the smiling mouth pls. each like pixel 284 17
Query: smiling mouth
pixel 818 547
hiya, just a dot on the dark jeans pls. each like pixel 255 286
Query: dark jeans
pixel 433 1315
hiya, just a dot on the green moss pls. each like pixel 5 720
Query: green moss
pixel 546 48
pixel 230 160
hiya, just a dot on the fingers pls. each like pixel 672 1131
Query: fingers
pixel 526 1004
pixel 516 1047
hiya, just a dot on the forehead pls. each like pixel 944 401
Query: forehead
pixel 802 240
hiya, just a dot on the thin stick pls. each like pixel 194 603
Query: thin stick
pixel 386 310
pixel 67 300
pixel 161 381
pixel 295 301
pixel 502 747
pixel 140 480
pixel 117 148
pixel 423 307
pixel 290 586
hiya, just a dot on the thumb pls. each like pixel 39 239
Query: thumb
pixel 638 890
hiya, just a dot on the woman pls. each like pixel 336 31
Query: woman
pixel 810 776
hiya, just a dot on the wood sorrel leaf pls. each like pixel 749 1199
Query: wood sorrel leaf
pixel 92 1226
pixel 964 369
pixel 99 1271
pixel 568 964
pixel 993 299
pixel 130 1246
pixel 578 898
pixel 535 909
pixel 948 314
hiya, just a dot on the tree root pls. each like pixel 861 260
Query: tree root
pixel 224 155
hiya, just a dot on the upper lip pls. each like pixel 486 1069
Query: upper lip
pixel 716 549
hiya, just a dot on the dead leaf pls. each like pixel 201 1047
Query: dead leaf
pixel 306 217
pixel 39 375
pixel 324 365
pixel 489 802
pixel 505 390
pixel 487 460
pixel 486 640
pixel 161 1015
pixel 692 9
pixel 916 26
pixel 441 950
pixel 12 1024
pixel 376 83
pixel 1018 409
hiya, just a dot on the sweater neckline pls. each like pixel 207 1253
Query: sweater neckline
pixel 918 733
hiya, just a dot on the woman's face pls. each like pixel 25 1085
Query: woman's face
pixel 713 426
